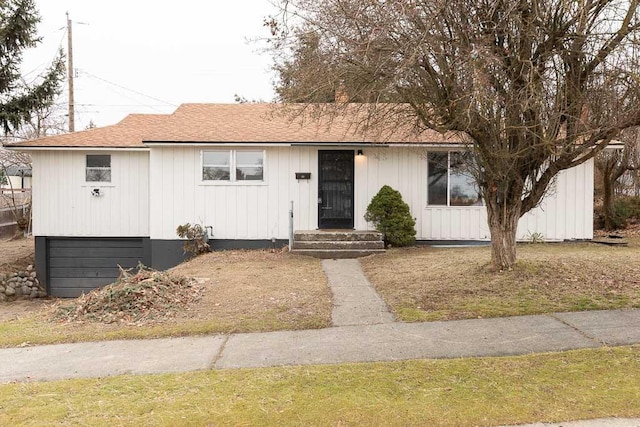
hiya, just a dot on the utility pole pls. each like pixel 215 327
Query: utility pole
pixel 70 71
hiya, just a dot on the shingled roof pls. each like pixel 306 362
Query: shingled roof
pixel 237 123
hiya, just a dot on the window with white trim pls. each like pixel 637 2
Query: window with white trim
pixel 450 181
pixel 233 165
pixel 98 168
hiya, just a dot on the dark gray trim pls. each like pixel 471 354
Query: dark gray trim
pixel 166 253
pixel 41 260
pixel 169 253
pixel 226 245
pixel 88 272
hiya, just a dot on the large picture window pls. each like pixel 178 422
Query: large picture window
pixel 450 181
pixel 98 168
pixel 232 165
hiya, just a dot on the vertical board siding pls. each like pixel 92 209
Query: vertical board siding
pixel 63 204
pixel 248 211
pixel 566 212
pixel 154 192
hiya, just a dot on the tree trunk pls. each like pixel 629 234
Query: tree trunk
pixel 608 205
pixel 503 224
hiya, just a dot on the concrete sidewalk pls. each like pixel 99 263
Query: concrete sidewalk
pixel 363 343
pixel 364 331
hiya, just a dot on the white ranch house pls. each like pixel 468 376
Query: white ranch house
pixel 115 195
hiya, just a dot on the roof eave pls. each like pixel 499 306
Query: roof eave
pixel 74 148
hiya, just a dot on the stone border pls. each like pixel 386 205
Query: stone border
pixel 21 285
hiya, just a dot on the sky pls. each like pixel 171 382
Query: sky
pixel 144 56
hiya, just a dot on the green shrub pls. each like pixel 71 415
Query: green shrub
pixel 626 208
pixel 392 217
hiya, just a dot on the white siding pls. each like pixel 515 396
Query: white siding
pixel 260 210
pixel 63 204
pixel 247 210
pixel 566 212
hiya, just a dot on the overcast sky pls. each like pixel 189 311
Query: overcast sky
pixel 145 56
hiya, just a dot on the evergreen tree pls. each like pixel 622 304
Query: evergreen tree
pixel 18 99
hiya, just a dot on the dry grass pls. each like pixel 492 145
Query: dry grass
pixel 423 284
pixel 555 387
pixel 244 291
pixel 16 254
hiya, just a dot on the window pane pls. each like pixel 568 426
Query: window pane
pixel 464 190
pixel 249 158
pixel 98 161
pixel 216 158
pixel 213 173
pixel 437 180
pixel 98 175
pixel 248 174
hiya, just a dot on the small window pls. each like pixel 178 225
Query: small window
pixel 438 179
pixel 98 168
pixel 232 165
pixel 216 165
pixel 249 165
pixel 451 181
pixel 463 188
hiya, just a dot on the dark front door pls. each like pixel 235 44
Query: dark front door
pixel 335 189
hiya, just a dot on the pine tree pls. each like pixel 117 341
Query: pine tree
pixel 18 99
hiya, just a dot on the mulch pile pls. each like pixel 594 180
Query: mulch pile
pixel 139 296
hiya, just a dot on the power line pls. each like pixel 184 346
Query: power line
pixel 127 89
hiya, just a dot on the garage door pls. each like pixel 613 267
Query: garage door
pixel 76 266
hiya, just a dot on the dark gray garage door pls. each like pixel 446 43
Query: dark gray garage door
pixel 80 265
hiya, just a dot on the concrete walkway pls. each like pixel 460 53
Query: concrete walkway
pixel 355 301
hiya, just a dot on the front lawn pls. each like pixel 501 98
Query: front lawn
pixel 244 291
pixel 424 284
pixel 552 387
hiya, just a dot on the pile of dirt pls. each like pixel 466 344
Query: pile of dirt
pixel 139 296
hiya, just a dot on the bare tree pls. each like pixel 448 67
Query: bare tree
pixel 611 165
pixel 16 200
pixel 538 86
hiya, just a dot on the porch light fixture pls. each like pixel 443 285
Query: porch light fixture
pixel 359 153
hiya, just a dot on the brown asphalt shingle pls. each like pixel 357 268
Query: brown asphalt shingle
pixel 242 123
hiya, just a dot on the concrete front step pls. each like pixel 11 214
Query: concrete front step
pixel 337 253
pixel 338 245
pixel 337 235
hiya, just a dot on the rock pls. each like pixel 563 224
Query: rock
pixel 2 288
pixel 29 267
pixel 25 290
pixel 33 294
pixel 10 291
pixel 42 294
pixel 3 297
pixel 36 281
pixel 32 275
